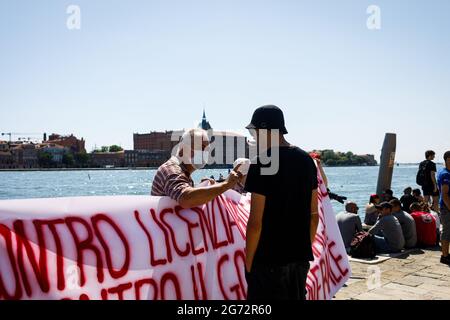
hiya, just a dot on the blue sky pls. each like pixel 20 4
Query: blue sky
pixel 136 66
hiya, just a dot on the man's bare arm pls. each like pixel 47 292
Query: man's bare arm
pixel 314 215
pixel 193 197
pixel 254 226
pixel 433 178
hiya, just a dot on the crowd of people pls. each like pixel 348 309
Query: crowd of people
pixel 414 220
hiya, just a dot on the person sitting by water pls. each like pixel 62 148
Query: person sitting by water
pixel 173 178
pixel 387 232
pixel 407 223
pixel 371 211
pixel 221 178
pixel 426 208
pixel 349 223
pixel 417 194
pixel 425 226
pixel 387 195
pixel 407 199
pixel 243 164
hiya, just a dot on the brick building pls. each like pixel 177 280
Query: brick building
pixel 144 158
pixel 25 155
pixel 154 141
pixel 56 151
pixel 71 142
pixel 6 160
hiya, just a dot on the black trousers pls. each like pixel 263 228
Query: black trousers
pixel 286 282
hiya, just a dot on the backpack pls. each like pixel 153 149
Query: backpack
pixel 362 246
pixel 421 178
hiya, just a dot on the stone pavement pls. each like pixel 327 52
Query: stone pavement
pixel 417 275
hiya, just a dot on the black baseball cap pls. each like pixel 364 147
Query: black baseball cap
pixel 384 205
pixel 268 117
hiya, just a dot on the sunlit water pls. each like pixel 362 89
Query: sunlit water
pixel 357 183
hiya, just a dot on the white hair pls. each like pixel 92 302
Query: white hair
pixel 197 135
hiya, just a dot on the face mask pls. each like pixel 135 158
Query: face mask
pixel 252 143
pixel 200 159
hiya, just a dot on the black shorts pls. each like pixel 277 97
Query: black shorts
pixel 429 191
pixel 277 282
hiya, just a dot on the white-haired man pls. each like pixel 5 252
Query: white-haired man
pixel 173 178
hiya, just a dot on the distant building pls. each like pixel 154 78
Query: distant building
pixel 4 146
pixel 154 141
pixel 25 155
pixel 71 142
pixel 143 158
pixel 104 159
pixel 30 155
pixel 17 154
pixel 55 150
pixel 6 160
pixel 131 158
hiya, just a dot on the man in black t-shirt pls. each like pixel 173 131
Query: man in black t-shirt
pixel 283 214
pixel 429 186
